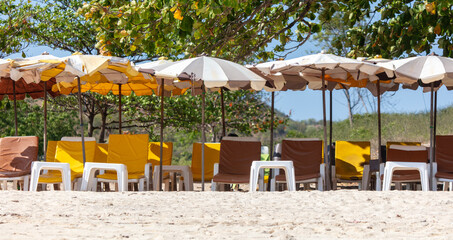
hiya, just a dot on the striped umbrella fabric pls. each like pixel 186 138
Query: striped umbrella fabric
pixel 212 72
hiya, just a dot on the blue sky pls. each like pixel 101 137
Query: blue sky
pixel 308 104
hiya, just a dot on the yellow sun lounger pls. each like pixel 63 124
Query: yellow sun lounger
pixel 351 163
pixel 69 152
pixel 127 155
pixel 212 155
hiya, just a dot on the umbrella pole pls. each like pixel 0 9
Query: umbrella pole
pixel 222 101
pixel 15 107
pixel 45 118
pixel 119 109
pixel 79 95
pixel 379 133
pixel 326 159
pixel 379 120
pixel 435 124
pixel 271 150
pixel 203 136
pixel 330 128
pixel 431 132
pixel 161 132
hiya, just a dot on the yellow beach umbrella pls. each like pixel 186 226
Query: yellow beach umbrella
pixel 77 70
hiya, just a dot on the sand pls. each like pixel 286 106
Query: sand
pixel 343 214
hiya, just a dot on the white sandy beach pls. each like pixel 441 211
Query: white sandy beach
pixel 344 214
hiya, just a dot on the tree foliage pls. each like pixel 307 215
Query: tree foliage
pixel 234 30
pixel 14 21
pixel 396 28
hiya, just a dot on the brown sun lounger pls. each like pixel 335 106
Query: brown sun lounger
pixel 16 156
pixel 443 166
pixel 236 157
pixel 401 156
pixel 306 155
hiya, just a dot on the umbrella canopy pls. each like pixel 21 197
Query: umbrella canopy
pixel 4 65
pixel 22 89
pixel 76 69
pixel 213 72
pixel 427 69
pixel 36 69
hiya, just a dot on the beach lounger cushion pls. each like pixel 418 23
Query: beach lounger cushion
pixel 236 157
pixel 100 153
pixel 306 156
pixel 406 152
pixel 444 154
pixel 17 154
pixel 350 158
pixel 154 153
pixel 70 152
pixel 130 150
pixel 212 156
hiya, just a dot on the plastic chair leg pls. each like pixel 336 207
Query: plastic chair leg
pixel 261 179
pixel 141 184
pixel 26 183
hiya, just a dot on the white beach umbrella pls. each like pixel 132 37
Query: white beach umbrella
pixel 209 72
pixel 427 70
pixel 212 72
pixel 317 68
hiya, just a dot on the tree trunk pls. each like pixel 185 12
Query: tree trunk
pixel 348 99
pixel 90 125
pixel 103 125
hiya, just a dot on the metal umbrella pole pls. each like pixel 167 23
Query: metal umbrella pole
pixel 326 159
pixel 161 133
pixel 203 136
pixel 79 96
pixel 330 129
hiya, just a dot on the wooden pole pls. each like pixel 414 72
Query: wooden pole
pixel 379 120
pixel 79 95
pixel 431 132
pixel 120 108
pixel 15 107
pixel 161 132
pixel 45 119
pixel 435 126
pixel 203 135
pixel 222 101
pixel 271 150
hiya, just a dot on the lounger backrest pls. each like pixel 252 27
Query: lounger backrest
pixel 78 139
pixel 71 152
pixel 131 150
pixel 17 153
pixel 51 150
pixel 101 152
pixel 350 157
pixel 444 153
pixel 154 153
pixel 305 154
pixel 211 156
pixel 400 153
pixel 236 156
